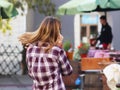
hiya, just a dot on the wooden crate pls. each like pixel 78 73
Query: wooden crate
pixel 94 63
pixel 70 79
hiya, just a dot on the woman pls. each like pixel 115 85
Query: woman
pixel 46 60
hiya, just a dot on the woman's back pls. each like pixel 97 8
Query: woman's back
pixel 45 67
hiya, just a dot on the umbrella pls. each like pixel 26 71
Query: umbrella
pixel 7 9
pixel 79 6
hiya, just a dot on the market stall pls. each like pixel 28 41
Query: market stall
pixel 93 67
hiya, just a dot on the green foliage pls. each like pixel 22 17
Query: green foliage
pixel 66 45
pixel 5 25
pixel 45 7
pixel 18 4
pixel 83 48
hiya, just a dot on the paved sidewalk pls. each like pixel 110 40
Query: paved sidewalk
pixel 15 82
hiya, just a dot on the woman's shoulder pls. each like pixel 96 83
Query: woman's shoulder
pixel 57 48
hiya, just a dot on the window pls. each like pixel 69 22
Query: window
pixel 87 32
pixel 89 28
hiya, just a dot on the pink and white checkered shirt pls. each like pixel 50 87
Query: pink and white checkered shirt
pixel 46 69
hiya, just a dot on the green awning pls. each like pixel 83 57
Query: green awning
pixel 79 6
pixel 7 9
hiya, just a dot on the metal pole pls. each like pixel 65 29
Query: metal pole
pixel 0 12
pixel 82 78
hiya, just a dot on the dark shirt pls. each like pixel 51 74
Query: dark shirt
pixel 106 34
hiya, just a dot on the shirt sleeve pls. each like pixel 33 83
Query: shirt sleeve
pixel 110 36
pixel 66 68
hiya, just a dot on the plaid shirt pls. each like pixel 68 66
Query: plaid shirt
pixel 46 69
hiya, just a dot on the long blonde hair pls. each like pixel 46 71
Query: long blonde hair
pixel 48 31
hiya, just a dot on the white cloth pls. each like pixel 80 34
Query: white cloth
pixel 112 73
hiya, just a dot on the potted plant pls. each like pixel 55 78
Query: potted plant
pixel 68 48
pixel 81 51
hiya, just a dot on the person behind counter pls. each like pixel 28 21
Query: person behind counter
pixel 106 35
